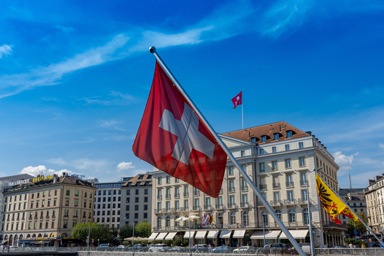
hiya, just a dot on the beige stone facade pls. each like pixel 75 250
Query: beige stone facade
pixel 46 209
pixel 374 196
pixel 280 165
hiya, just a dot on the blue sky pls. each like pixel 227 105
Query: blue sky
pixel 75 76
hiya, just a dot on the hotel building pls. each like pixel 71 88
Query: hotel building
pixel 280 160
pixel 374 196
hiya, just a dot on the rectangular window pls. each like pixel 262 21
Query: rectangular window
pixel 76 192
pixel 290 196
pixel 137 207
pixel 262 167
pixel 287 163
pixel 145 215
pixel 67 192
pixel 276 197
pixel 231 185
pixel 232 200
pixel 287 147
pixel 128 192
pixel 301 145
pixel 242 153
pixel 136 215
pixel 274 165
pixel 159 205
pixel 55 192
pixel 220 201
pixel 176 204
pixel 49 193
pixel 146 191
pixel 263 138
pixel 137 192
pixel 273 149
pixel 136 199
pixel 289 134
pixel 54 202
pixel 42 203
pixel 245 199
pixel 168 205
pixel 197 202
pixel 230 170
pixel 186 204
pixel 302 161
pixel 208 201
pixel 76 203
pixel 275 136
pixel 168 179
pixel 304 195
pixel 145 207
pixel 127 216
pixel 127 200
pixel 159 180
pixel 262 152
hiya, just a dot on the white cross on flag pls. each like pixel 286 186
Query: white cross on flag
pixel 237 100
pixel 172 138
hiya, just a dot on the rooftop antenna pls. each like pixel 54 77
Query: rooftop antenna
pixel 349 171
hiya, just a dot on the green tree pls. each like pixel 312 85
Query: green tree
pixel 359 226
pixel 80 231
pixel 126 231
pixel 143 229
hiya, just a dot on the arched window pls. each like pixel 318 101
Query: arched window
pixel 233 218
pixel 265 219
pixel 305 217
pixel 39 235
pixel 291 216
pixel 168 221
pixel 21 237
pixel 177 224
pixel 278 213
pixel 28 236
pixel 34 236
pixel 245 219
pixel 158 222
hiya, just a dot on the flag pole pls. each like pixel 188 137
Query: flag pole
pixel 242 110
pixel 381 242
pixel 152 49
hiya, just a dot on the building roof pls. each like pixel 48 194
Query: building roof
pixel 17 177
pixel 141 179
pixel 268 130
pixel 59 180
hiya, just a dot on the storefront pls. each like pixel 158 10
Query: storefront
pixel 212 237
pixel 225 237
pixel 269 236
pixel 200 237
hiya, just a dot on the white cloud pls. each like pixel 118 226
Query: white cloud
pixel 5 50
pixel 114 98
pixel 381 145
pixel 342 159
pixel 42 170
pixel 125 166
pixel 83 164
pixel 111 124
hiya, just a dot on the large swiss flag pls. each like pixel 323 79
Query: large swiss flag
pixel 172 138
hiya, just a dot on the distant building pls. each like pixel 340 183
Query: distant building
pixel 374 196
pixel 136 202
pixel 355 198
pixel 46 208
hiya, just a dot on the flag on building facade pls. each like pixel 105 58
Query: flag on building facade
pixel 210 219
pixel 203 221
pixel 331 202
pixel 237 100
pixel 172 138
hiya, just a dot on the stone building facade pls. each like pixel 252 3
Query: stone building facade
pixel 374 196
pixel 280 159
pixel 355 198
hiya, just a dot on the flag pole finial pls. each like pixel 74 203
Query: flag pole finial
pixel 152 49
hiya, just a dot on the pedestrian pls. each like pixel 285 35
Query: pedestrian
pixel 209 248
pixel 350 245
pixel 9 247
pixel 197 248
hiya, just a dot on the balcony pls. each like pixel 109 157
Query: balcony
pixel 36 217
pixel 302 201
pixel 289 201
pixel 41 217
pixel 289 184
pixel 159 197
pixel 219 207
pixel 276 185
pixel 231 189
pixel 244 188
pixel 196 208
pixel 263 186
pixel 47 217
pixel 197 193
pixel 167 210
pixel 186 194
pixel 275 202
pixel 53 216
pixel 66 216
pixel 208 207
pixel 244 204
pixel 303 183
pixel 75 216
pixel 176 209
pixel 184 209
pixel 177 195
pixel 231 206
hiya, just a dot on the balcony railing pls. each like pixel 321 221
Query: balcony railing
pixel 244 188
pixel 75 216
pixel 275 202
pixel 231 206
pixel 186 194
pixel 208 207
pixel 289 201
pixel 289 184
pixel 196 208
pixel 302 201
pixel 168 196
pixel 177 195
pixel 263 186
pixel 184 209
pixel 66 215
pixel 303 183
pixel 158 211
pixel 219 207
pixel 244 204
pixel 196 193
pixel 276 185
pixel 159 197
pixel 231 189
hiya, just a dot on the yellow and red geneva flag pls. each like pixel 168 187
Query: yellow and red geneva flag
pixel 332 204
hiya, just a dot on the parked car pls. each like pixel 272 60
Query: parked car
pixel 175 249
pixel 102 247
pixel 158 248
pixel 121 248
pixel 221 249
pixel 202 247
pixel 245 249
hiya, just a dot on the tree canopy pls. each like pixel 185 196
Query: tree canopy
pixel 359 226
pixel 80 231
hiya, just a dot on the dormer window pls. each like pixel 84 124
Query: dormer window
pixel 289 134
pixel 275 136
pixel 253 139
pixel 263 138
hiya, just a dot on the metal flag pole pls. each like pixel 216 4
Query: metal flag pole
pixel 366 226
pixel 229 153
pixel 310 220
pixel 242 111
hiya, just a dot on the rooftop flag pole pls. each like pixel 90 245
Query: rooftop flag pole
pixel 368 228
pixel 229 153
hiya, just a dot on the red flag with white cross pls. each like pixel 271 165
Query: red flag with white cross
pixel 237 100
pixel 172 138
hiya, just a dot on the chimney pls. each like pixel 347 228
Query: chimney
pixel 54 179
pixel 309 132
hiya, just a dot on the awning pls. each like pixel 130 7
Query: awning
pixel 274 234
pixel 170 235
pixel 297 234
pixel 200 234
pixel 239 234
pixel 152 237
pixel 161 236
pixel 40 242
pixel 225 233
pixel 189 234
pixel 25 242
pixel 212 234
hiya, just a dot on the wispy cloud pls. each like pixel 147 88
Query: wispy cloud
pixel 114 98
pixel 5 50
pixel 344 161
pixel 83 164
pixel 111 124
pixel 42 170
pixel 381 145
pixel 125 166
